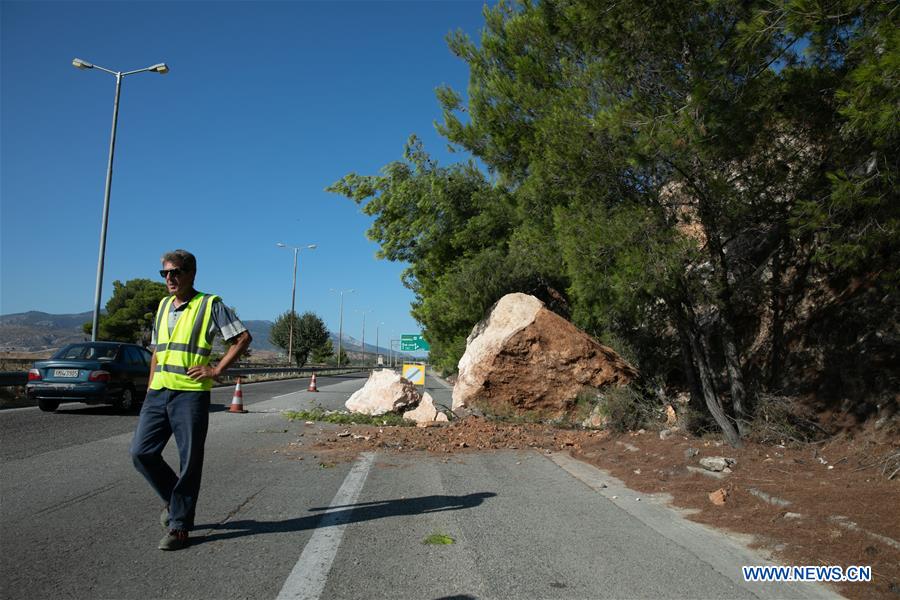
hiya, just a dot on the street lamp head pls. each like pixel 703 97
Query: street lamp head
pixel 161 68
pixel 280 245
pixel 77 62
pixel 312 246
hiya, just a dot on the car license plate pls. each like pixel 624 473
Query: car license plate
pixel 65 372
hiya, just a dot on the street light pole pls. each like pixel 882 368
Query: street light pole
pixel 161 68
pixel 364 312
pixel 296 250
pixel 377 349
pixel 341 325
pixel 293 296
pixel 95 321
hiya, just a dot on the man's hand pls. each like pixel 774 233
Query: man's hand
pixel 239 343
pixel 202 372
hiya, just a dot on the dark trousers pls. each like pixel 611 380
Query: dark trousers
pixel 186 415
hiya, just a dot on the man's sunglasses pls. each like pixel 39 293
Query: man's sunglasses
pixel 173 272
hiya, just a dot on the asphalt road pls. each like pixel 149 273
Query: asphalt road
pixel 76 520
pixel 28 431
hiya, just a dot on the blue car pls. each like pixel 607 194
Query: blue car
pixel 92 372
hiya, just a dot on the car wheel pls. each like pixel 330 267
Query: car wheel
pixel 48 405
pixel 126 402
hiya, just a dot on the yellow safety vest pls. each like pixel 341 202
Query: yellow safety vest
pixel 185 346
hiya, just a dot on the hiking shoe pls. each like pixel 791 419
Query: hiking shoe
pixel 176 539
pixel 164 518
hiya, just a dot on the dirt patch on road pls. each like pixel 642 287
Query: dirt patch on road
pixel 821 504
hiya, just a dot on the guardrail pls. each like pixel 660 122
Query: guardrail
pixel 19 378
pixel 266 373
pixel 264 369
pixel 13 378
pixel 254 369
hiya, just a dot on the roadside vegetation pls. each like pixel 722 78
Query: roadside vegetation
pixel 708 187
pixel 339 417
pixel 310 337
pixel 129 312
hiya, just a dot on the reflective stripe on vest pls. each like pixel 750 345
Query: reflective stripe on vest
pixel 185 346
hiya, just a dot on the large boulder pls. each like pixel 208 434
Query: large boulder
pixel 524 357
pixel 425 412
pixel 384 391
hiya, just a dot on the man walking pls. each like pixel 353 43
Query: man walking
pixel 177 401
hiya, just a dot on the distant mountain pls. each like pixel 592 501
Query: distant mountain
pixel 34 331
pixel 260 332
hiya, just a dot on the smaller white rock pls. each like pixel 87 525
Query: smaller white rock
pixel 425 412
pixel 384 391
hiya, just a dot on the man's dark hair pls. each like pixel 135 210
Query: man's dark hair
pixel 182 258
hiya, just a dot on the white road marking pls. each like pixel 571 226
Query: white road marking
pixel 309 575
pixel 284 395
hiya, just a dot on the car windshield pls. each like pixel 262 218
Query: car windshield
pixel 87 352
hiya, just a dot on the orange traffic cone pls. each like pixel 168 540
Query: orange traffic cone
pixel 312 384
pixel 237 401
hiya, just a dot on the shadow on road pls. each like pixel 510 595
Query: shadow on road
pixel 341 515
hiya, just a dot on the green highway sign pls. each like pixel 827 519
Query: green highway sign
pixel 413 342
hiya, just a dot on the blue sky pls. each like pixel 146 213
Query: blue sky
pixel 266 104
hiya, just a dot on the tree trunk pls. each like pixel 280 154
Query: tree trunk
pixel 735 378
pixel 687 324
pixel 778 303
pixel 690 372
pixel 726 311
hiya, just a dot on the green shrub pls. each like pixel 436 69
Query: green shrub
pixel 625 408
pixel 584 404
pixel 347 418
